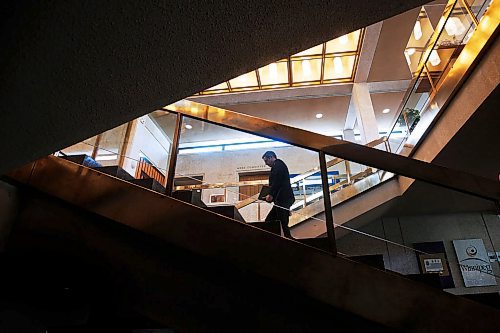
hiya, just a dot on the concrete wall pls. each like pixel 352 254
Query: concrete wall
pixel 148 140
pixel 407 230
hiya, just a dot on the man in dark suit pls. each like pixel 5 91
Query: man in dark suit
pixel 280 192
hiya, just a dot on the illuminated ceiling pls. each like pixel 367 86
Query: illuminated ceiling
pixel 331 62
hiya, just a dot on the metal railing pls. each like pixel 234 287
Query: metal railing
pixel 431 88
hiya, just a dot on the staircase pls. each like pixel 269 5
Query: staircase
pixel 381 298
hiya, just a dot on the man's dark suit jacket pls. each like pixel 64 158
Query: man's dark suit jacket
pixel 279 182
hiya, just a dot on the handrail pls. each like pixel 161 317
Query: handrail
pixel 221 185
pixel 379 159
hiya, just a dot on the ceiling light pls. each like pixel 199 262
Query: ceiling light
pixel 319 115
pixel 344 39
pixel 386 110
pixel 417 30
pixel 338 67
pixel 306 67
pixel 434 58
pixel 188 126
pixel 194 109
pixel 454 27
pixel 411 51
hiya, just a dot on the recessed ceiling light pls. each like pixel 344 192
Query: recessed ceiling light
pixel 319 115
pixel 188 126
pixel 386 110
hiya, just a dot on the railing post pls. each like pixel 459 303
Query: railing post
pixel 125 147
pixel 95 150
pixel 304 191
pixel 328 205
pixel 348 171
pixel 174 151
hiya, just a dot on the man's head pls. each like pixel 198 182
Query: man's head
pixel 269 158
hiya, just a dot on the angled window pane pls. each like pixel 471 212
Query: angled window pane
pixel 245 80
pixel 220 86
pixel 275 73
pixel 339 67
pixel 306 70
pixel 315 50
pixel 346 43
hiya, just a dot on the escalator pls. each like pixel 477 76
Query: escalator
pixel 322 288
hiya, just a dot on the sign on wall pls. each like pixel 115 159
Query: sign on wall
pixel 474 263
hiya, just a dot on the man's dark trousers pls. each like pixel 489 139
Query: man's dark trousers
pixel 282 215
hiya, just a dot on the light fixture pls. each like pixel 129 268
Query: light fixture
pixel 407 57
pixel 411 51
pixel 338 67
pixel 306 67
pixel 386 110
pixel 344 39
pixel 434 58
pixel 454 27
pixel 319 115
pixel 189 126
pixel 194 109
pixel 417 30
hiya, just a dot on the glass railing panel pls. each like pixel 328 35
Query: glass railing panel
pixel 435 235
pixel 110 144
pixel 458 29
pixel 223 170
pixel 346 180
pixel 419 38
pixel 410 115
pixel 138 151
pixel 86 147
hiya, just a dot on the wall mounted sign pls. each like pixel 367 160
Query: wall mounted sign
pixel 474 263
pixel 252 168
pixel 433 265
pixel 432 259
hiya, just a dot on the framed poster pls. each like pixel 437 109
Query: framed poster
pixel 217 198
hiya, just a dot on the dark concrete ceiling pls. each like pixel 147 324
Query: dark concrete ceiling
pixel 73 69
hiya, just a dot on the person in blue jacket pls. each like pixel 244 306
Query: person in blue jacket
pixel 280 192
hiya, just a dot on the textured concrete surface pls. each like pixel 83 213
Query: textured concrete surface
pixel 9 201
pixel 72 69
